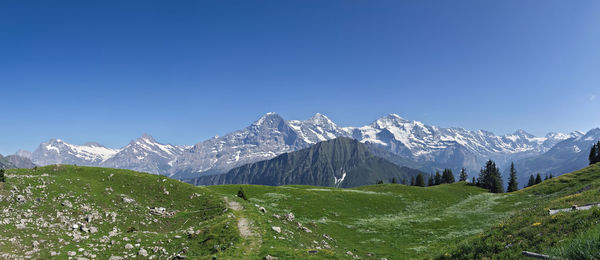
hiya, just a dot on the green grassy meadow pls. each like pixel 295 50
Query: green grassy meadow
pixel 458 221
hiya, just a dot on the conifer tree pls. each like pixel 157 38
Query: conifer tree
pixel 473 181
pixel 551 176
pixel 538 179
pixel 394 180
pixel 463 175
pixel 2 177
pixel 430 181
pixel 447 176
pixel 513 185
pixel 490 178
pixel 412 181
pixel 420 181
pixel 379 182
pixel 531 181
pixel 595 153
pixel 437 179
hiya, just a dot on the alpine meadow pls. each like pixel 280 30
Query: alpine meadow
pixel 275 130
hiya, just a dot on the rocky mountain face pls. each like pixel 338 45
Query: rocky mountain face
pixel 340 162
pixel 143 154
pixel 266 138
pixel 57 151
pixel 403 141
pixel 566 156
pixel 146 155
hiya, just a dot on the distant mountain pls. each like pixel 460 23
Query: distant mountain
pixel 452 147
pixel 404 142
pixel 564 157
pixel 57 151
pixel 18 161
pixel 341 162
pixel 266 138
pixel 5 163
pixel 145 154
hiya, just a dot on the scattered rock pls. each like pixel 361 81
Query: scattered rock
pixel 290 216
pixel 20 198
pixel 143 252
pixel 127 199
pixel 268 257
pixel 349 253
pixel 128 246
pixel 262 209
pixel 276 229
pixel 67 204
pixel 71 253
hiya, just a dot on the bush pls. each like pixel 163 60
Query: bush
pixel 242 194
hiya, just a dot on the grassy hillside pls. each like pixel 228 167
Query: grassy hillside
pixel 393 221
pixel 572 235
pixel 83 212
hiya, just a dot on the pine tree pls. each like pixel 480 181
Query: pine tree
pixel 394 180
pixel 490 178
pixel 2 177
pixel 538 179
pixel 420 181
pixel 412 181
pixel 438 178
pixel 430 181
pixel 463 175
pixel 448 176
pixel 473 181
pixel 379 182
pixel 531 181
pixel 513 185
pixel 551 176
pixel 595 153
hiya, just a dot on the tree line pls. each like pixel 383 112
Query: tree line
pixel 489 177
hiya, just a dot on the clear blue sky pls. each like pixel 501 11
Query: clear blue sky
pixel 184 71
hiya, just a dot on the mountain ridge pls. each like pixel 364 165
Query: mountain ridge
pixel 272 135
pixel 340 162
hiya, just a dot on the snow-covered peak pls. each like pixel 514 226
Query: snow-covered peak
pixel 268 119
pixel 58 151
pixel 523 133
pixel 148 138
pixel 320 119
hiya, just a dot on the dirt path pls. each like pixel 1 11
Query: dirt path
pixel 243 223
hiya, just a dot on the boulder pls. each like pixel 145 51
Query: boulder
pixel 276 229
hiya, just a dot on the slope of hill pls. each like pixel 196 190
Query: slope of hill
pixel 570 235
pixel 341 162
pixel 73 211
pixel 61 211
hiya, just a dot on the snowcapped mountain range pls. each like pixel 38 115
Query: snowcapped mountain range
pixel 272 135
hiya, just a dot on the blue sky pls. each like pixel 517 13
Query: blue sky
pixel 184 71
